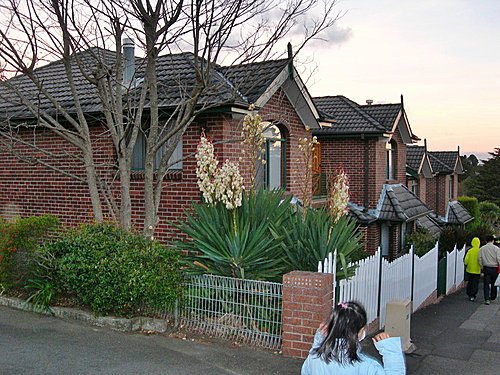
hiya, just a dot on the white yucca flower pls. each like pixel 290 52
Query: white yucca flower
pixel 206 169
pixel 223 184
pixel 338 195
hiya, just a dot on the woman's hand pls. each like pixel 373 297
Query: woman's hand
pixel 381 336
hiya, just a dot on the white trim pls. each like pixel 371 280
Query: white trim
pixel 280 81
pixel 304 91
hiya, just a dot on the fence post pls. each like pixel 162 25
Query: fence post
pixel 379 307
pixel 307 302
pixel 412 254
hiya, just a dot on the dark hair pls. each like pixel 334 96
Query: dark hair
pixel 490 238
pixel 341 342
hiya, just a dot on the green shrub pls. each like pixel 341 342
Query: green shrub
pixel 312 234
pixel 451 236
pixel 243 243
pixel 112 270
pixel 422 240
pixel 471 204
pixel 19 239
pixel 490 213
pixel 480 229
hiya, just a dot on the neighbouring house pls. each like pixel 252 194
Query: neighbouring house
pixel 370 143
pixel 29 187
pixel 418 172
pixel 434 177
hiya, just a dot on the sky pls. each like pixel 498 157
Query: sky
pixel 442 55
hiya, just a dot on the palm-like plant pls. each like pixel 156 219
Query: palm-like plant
pixel 244 242
pixel 312 234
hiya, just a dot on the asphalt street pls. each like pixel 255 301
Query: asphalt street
pixel 37 344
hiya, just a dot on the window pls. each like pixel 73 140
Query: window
pixel 390 150
pixel 385 239
pixel 450 188
pixel 414 187
pixel 271 175
pixel 402 236
pixel 139 154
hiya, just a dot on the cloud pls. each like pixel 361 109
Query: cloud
pixel 338 35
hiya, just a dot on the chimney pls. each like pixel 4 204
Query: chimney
pixel 369 101
pixel 129 61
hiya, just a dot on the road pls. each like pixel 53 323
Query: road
pixel 453 337
pixel 35 344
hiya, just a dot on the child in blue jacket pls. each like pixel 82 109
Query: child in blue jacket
pixel 337 350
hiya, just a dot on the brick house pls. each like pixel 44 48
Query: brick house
pixel 29 187
pixel 434 177
pixel 369 142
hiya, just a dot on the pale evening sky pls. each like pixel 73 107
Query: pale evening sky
pixel 442 55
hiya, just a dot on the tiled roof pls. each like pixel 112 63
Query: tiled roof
pixel 252 80
pixel 360 214
pixel 397 203
pixel 457 214
pixel 385 114
pixel 443 161
pixel 414 156
pixel 176 78
pixel 349 117
pixel 430 223
pixel 54 80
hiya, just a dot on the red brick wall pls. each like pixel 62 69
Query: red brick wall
pixel 27 190
pixel 307 302
pixel 437 193
pixel 35 189
pixel 349 153
pixel 372 239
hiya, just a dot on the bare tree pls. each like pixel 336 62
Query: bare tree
pixel 87 36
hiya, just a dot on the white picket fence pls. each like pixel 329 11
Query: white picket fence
pixel 396 282
pixel 425 276
pixel 364 285
pixel 454 268
pixel 409 277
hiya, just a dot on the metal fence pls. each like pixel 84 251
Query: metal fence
pixel 245 310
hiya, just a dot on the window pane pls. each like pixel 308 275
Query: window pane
pixel 139 152
pixel 274 165
pixel 176 157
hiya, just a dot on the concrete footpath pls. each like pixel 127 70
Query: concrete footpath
pixel 455 337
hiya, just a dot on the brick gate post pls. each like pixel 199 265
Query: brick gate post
pixel 307 301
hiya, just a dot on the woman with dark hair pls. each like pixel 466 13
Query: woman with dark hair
pixel 337 349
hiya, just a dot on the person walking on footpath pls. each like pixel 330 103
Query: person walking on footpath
pixel 337 349
pixel 489 259
pixel 473 269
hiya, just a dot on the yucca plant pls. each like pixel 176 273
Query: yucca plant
pixel 312 234
pixel 245 242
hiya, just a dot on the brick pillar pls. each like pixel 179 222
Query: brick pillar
pixel 307 301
